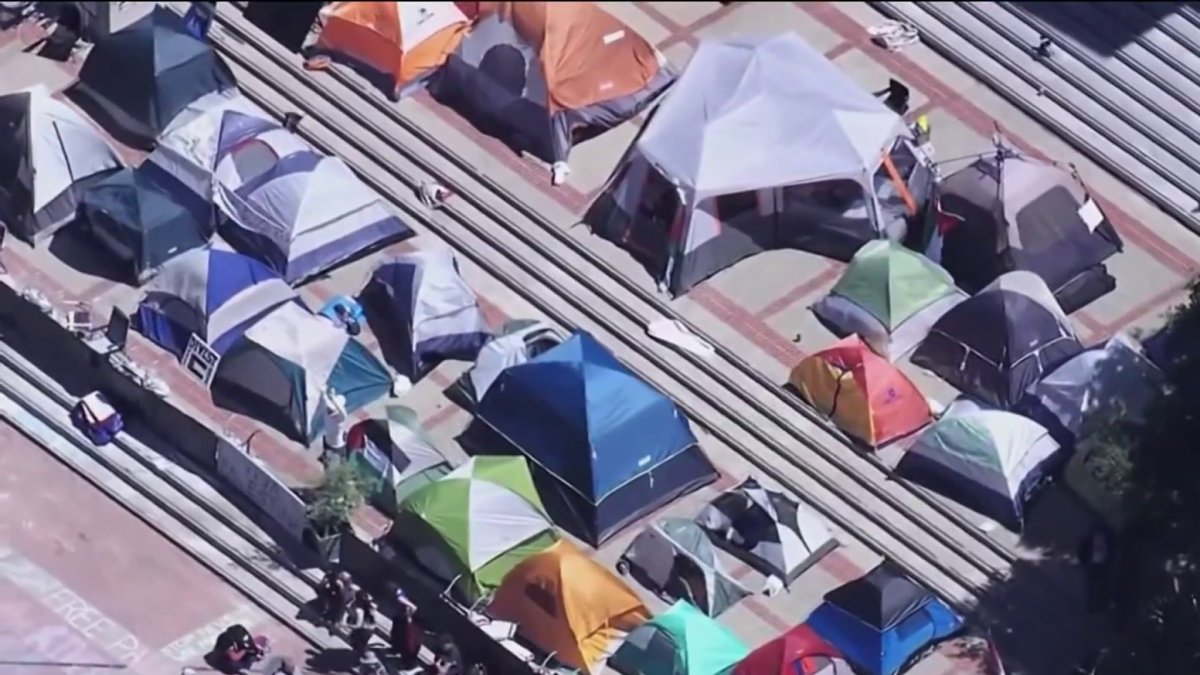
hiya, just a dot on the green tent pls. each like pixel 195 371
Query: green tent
pixel 680 641
pixel 397 454
pixel 890 296
pixel 475 524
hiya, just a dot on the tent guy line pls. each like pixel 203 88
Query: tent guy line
pixel 346 137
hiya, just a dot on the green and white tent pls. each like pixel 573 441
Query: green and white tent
pixel 397 454
pixel 475 524
pixel 890 297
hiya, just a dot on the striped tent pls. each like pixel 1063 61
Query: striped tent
pixel 423 311
pixel 298 211
pixel 212 293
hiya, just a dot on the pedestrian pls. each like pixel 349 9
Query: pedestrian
pixel 406 635
pixel 1096 557
pixel 198 19
pixel 447 658
pixel 362 623
pixel 333 593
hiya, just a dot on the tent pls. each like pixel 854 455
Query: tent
pixel 144 222
pixel 212 293
pixel 401 41
pixel 772 532
pixel 277 371
pixel 48 157
pixel 296 210
pixel 609 448
pixel 675 558
pixel 997 343
pixel 568 606
pixel 800 651
pixel 1079 403
pixel 146 73
pixel 1007 211
pixel 890 296
pixel 882 620
pixel 422 310
pixel 477 523
pixel 397 453
pixel 543 75
pixel 865 395
pixel 680 641
pixel 987 460
pixel 744 156
pixel 515 343
pixel 187 148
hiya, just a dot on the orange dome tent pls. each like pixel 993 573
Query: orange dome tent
pixel 542 75
pixel 568 605
pixel 402 40
pixel 864 394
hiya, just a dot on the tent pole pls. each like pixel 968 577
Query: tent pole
pixel 63 147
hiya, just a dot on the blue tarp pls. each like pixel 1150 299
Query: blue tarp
pixel 619 446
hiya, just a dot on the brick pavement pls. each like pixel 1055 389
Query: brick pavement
pixel 82 581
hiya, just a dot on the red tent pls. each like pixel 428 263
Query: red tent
pixel 800 651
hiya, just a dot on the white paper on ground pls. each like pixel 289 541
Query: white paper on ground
pixel 1090 213
pixel 675 333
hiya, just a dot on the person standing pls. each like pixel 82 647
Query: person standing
pixel 362 627
pixel 406 635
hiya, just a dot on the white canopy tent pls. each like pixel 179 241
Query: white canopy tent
pixel 762 143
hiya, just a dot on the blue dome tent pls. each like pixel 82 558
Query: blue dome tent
pixel 609 448
pixel 213 293
pixel 883 620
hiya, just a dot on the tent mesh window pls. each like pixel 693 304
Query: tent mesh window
pixel 1040 223
pixel 252 159
pixel 732 207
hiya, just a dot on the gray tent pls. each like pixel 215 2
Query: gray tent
pixel 1006 211
pixel 675 557
pixel 762 143
pixel 514 344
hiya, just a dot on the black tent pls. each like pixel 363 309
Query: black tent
pixel 994 345
pixel 143 222
pixel 1008 212
pixel 48 157
pixel 140 77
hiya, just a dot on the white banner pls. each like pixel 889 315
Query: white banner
pixel 256 482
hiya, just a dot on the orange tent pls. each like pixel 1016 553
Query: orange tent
pixel 864 394
pixel 403 40
pixel 587 55
pixel 568 605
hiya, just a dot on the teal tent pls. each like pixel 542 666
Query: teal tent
pixel 680 641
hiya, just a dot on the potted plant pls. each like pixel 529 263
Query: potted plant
pixel 340 493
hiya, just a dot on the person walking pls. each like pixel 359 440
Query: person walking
pixel 334 594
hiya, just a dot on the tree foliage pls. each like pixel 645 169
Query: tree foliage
pixel 1159 618
pixel 341 492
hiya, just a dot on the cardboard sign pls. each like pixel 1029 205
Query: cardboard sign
pixel 201 360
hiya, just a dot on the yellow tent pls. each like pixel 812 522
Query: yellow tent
pixel 568 605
